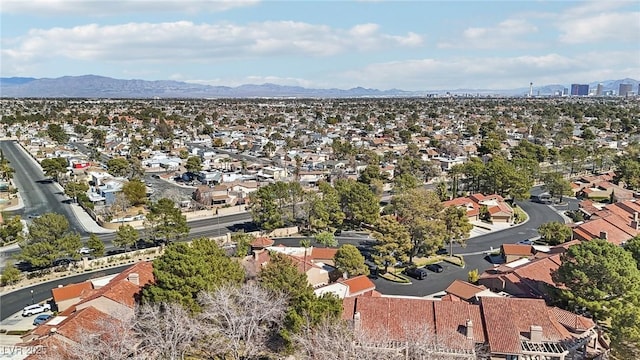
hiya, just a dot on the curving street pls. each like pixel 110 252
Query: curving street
pixel 473 253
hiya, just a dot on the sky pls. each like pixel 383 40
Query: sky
pixel 408 45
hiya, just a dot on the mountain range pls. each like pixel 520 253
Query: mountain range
pixel 93 86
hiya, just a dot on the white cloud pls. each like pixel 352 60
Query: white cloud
pixel 185 41
pixel 506 34
pixel 599 27
pixel 492 72
pixel 117 7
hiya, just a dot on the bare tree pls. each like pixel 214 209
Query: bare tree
pixel 166 331
pixel 112 338
pixel 240 321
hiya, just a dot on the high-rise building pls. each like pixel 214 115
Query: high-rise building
pixel 579 89
pixel 599 90
pixel 625 89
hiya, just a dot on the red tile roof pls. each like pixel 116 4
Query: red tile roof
pixel 262 242
pixel 464 290
pixel 359 284
pixel 323 253
pixel 517 249
pixel 507 319
pixel 70 291
pixel 120 289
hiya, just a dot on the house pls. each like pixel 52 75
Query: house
pixel 112 303
pixel 497 210
pixel 523 277
pixel 616 223
pixel 467 291
pixel 65 296
pixel 508 328
pixel 355 286
pixel 512 252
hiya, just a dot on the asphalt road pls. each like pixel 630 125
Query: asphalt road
pixel 538 214
pixel 13 302
pixel 38 196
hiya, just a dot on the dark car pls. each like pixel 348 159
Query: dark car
pixel 416 273
pixel 442 251
pixel 435 268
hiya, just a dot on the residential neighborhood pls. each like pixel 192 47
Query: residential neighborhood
pixel 528 207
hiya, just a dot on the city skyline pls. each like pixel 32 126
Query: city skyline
pixel 325 44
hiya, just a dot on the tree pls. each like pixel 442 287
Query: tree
pixel 457 226
pixel 596 273
pixel 625 330
pixel 473 276
pixel 633 246
pixel 193 164
pixel 184 270
pixel 325 212
pixel 264 209
pixel 419 210
pixel 348 259
pixel 405 182
pixel 52 167
pixel 327 239
pixel 118 166
pixel 556 185
pixel 166 331
pixel 73 189
pixel 281 275
pixel 166 221
pixel 49 240
pixel 126 236
pixel 96 245
pixel 135 192
pixel 240 320
pixel 243 243
pixel 10 275
pixel 57 134
pixel 573 155
pixel 358 202
pixel 11 230
pixel 393 242
pixel 554 232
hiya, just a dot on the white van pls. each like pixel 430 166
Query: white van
pixel 35 309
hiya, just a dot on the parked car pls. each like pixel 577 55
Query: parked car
pixel 435 268
pixel 41 319
pixel 526 242
pixel 85 250
pixel 35 309
pixel 442 251
pixel 416 273
pixel 34 215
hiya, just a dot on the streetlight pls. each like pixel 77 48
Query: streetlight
pixel 32 302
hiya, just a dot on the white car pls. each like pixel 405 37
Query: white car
pixel 35 309
pixel 85 250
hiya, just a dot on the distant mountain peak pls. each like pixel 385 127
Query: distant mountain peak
pixel 97 86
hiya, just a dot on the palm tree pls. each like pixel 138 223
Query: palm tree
pixel 305 243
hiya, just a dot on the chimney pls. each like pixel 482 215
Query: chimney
pixel 535 333
pixel 357 322
pixel 134 278
pixel 469 329
pixel 53 330
pixel 635 216
pixel 603 235
pixel 345 275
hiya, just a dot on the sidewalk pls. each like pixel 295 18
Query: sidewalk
pixel 482 228
pixel 87 221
